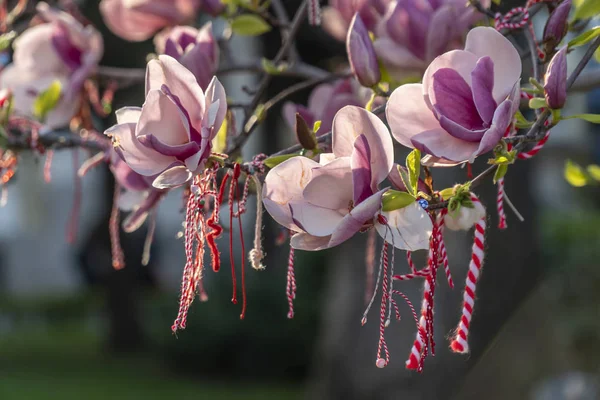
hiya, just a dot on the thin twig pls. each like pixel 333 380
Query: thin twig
pixel 251 120
pixel 299 87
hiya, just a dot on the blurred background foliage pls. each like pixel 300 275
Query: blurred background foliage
pixel 108 336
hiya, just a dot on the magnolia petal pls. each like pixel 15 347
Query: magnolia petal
pixel 357 218
pixel 326 158
pixel 141 159
pixel 408 228
pixel 167 71
pixel 128 114
pixel 440 143
pixel 331 185
pixel 483 86
pixel 163 119
pixel 130 199
pixel 333 23
pixel 174 176
pixel 396 56
pixel 216 104
pixel 182 152
pixel 502 119
pixel 35 52
pixel 319 98
pixel 460 132
pixel 135 219
pixel 315 220
pixel 433 161
pixel 486 41
pixel 408 114
pixel 285 183
pixel 360 162
pixel 440 31
pixel 304 241
pixel 453 99
pixel 352 121
pixel 461 61
pixel 126 177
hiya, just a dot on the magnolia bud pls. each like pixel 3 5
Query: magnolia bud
pixel 557 26
pixel 465 217
pixel 305 135
pixel 555 85
pixel 361 53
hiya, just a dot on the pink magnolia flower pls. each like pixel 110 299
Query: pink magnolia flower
pixel 414 32
pixel 466 102
pixel 170 137
pixel 59 50
pixel 138 197
pixel 337 16
pixel 138 20
pixel 323 103
pixel 197 50
pixel 326 203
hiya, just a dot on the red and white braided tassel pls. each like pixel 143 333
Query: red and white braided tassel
pixel 425 330
pixel 500 205
pixel 442 254
pixel 460 342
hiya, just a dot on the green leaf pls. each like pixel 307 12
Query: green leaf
pixel 6 38
pixel 522 122
pixel 47 100
pixel 537 102
pixel 500 172
pixel 585 37
pixel 316 126
pixel 276 160
pixel 272 69
pixel 447 193
pixel 249 25
pixel 497 2
pixel 413 165
pixel 597 55
pixel 575 175
pixel 593 118
pixel 394 200
pixel 594 171
pixel 587 9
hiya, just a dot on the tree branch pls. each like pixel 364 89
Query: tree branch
pixel 250 123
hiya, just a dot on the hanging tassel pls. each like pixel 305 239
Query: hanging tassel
pixel 290 289
pixel 460 343
pixel 114 228
pixel 314 12
pixel 256 254
pixel 500 205
pixel 443 255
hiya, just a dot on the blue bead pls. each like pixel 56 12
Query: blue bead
pixel 423 203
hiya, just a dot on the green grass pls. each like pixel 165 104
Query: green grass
pixel 66 363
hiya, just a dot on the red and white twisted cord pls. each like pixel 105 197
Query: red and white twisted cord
pixel 425 331
pixel 536 149
pixel 460 342
pixel 442 254
pixel 500 205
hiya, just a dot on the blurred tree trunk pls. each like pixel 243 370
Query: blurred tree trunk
pixel 344 367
